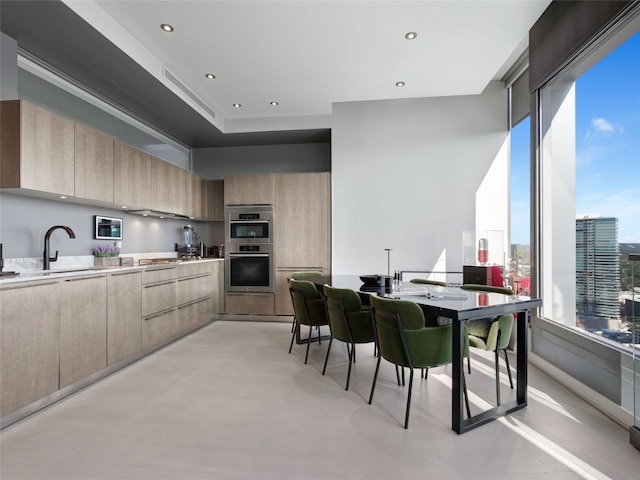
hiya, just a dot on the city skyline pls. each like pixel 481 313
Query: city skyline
pixel 607 147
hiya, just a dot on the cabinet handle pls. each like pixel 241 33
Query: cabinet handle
pixel 193 302
pixel 159 284
pixel 123 273
pixel 159 314
pixel 29 285
pixel 194 277
pixel 87 277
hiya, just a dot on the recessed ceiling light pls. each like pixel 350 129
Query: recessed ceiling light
pixel 166 27
pixel 399 84
pixel 237 105
pixel 410 35
pixel 274 104
pixel 210 76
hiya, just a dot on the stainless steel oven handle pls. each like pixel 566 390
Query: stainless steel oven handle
pixel 249 221
pixel 249 254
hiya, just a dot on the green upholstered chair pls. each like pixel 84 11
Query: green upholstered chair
pixel 349 321
pixel 424 281
pixel 404 340
pixel 308 308
pixel 301 275
pixel 492 334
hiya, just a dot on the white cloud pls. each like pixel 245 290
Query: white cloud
pixel 601 127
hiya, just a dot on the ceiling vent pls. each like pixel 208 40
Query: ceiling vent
pixel 183 88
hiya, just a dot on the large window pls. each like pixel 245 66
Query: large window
pixel 590 192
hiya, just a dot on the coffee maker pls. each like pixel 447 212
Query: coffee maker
pixel 188 250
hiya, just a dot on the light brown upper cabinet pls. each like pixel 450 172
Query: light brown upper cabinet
pixel 215 200
pixel 132 176
pixel 181 191
pixel 302 220
pixel 93 165
pixel 198 196
pixel 162 178
pixel 36 149
pixel 249 189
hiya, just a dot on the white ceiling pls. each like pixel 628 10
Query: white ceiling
pixel 307 55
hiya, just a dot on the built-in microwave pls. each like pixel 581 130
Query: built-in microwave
pixel 107 228
pixel 249 224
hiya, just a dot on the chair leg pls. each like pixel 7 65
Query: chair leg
pixel 326 359
pixel 506 360
pixel 398 375
pixel 497 367
pixel 352 358
pixel 406 415
pixel 469 364
pixel 293 335
pixel 306 357
pixel 375 378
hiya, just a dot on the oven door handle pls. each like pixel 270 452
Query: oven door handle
pixel 249 221
pixel 249 254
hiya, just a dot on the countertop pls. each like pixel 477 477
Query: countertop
pixel 41 275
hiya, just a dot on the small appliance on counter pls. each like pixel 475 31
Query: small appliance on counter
pixel 2 272
pixel 189 249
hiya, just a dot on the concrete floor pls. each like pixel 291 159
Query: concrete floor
pixel 228 402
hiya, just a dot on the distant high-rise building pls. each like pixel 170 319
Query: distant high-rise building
pixel 597 270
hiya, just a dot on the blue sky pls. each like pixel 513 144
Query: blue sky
pixel 607 147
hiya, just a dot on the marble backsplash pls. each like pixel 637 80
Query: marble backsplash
pixel 22 265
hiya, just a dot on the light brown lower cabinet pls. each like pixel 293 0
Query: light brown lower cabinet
pixel 83 328
pixel 58 332
pixel 29 352
pixel 158 329
pixel 124 309
pixel 249 303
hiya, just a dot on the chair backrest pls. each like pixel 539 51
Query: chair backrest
pixel 404 340
pixel 424 281
pixel 305 274
pixel 308 305
pixel 502 325
pixel 349 320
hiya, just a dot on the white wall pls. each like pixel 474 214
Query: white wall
pixel 412 175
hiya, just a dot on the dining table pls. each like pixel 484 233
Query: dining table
pixel 454 305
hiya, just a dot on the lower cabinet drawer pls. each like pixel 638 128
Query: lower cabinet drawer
pixel 158 297
pixel 159 329
pixel 250 303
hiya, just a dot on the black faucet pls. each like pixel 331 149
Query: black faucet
pixel 45 255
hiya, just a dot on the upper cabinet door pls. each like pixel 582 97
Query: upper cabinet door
pixel 249 189
pixel 93 165
pixel 37 149
pixel 181 191
pixel 215 199
pixel 132 177
pixel 162 185
pixel 303 220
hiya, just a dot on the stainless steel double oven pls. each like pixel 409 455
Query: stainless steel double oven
pixel 249 265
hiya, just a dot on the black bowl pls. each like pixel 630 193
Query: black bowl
pixel 376 280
